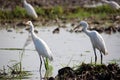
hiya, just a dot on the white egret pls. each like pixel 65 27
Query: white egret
pixel 96 39
pixel 40 45
pixel 113 4
pixel 30 10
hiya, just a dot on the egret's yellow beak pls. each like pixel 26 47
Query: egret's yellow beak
pixel 27 23
pixel 27 26
pixel 76 27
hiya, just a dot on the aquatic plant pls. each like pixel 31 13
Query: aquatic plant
pixel 48 67
pixel 14 72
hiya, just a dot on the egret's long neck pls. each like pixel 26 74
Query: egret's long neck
pixel 25 2
pixel 86 31
pixel 32 31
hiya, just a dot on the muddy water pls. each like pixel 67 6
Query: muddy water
pixel 68 49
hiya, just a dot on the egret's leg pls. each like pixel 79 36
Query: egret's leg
pixel 44 63
pixel 101 57
pixel 95 55
pixel 40 66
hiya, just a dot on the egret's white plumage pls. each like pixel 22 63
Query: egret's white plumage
pixel 40 45
pixel 96 39
pixel 30 10
pixel 113 4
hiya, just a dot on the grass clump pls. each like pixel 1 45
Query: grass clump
pixel 98 12
pixel 90 72
pixel 14 72
pixel 78 13
pixel 5 15
pixel 60 11
pixel 40 11
pixel 19 12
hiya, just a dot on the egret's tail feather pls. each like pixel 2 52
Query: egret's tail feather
pixel 106 53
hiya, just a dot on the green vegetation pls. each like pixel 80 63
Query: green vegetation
pixel 48 67
pixel 50 13
pixel 98 12
pixel 18 12
pixel 14 72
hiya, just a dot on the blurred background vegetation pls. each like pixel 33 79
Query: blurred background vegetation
pixel 48 9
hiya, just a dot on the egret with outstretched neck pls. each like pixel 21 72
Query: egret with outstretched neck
pixel 30 10
pixel 96 39
pixel 40 45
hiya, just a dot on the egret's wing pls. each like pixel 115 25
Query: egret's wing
pixel 98 42
pixel 43 48
pixel 30 10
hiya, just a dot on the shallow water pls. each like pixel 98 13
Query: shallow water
pixel 68 49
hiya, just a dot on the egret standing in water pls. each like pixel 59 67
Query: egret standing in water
pixel 113 4
pixel 30 10
pixel 96 39
pixel 40 45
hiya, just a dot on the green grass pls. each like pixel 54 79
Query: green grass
pixel 98 12
pixel 15 71
pixel 50 13
pixel 40 11
pixel 19 12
